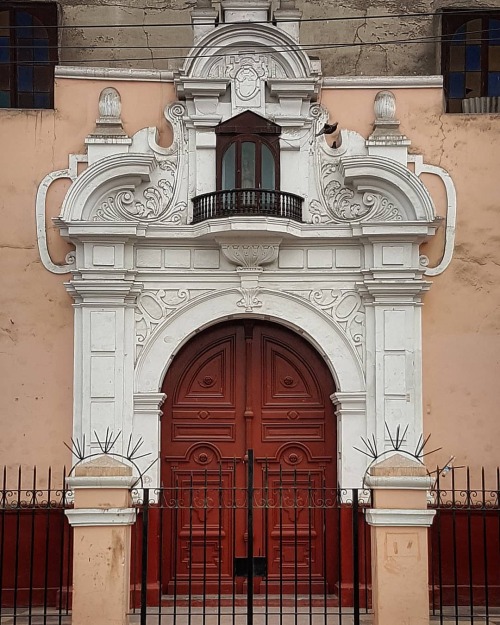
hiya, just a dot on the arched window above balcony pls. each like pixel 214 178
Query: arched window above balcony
pixel 248 173
pixel 248 153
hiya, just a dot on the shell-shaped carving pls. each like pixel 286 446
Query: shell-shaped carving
pixel 110 103
pixel 385 106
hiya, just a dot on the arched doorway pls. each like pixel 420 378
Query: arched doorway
pixel 237 386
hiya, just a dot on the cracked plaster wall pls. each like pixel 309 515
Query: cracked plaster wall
pixel 160 47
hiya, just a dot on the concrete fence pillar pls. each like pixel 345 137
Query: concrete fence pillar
pixel 399 523
pixel 101 520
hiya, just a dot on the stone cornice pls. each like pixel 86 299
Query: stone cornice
pixel 247 227
pixel 402 482
pixel 113 73
pixel 383 82
pixel 106 291
pixel 145 403
pixel 101 481
pixel 400 518
pixel 393 291
pixel 97 517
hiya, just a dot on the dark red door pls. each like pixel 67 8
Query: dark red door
pixel 236 386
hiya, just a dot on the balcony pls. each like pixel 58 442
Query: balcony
pixel 247 202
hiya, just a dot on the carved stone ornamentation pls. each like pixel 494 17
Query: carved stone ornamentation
pixel 249 299
pixel 110 104
pixel 250 255
pixel 345 308
pixel 156 202
pixel 340 204
pixel 153 307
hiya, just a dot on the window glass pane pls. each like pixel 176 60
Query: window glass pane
pixel 25 50
pixel 41 49
pixel 267 175
pixel 42 100
pixel 473 84
pixel 494 84
pixel 459 36
pixel 494 58
pixel 24 25
pixel 473 58
pixel 494 32
pixel 44 77
pixel 457 58
pixel 4 77
pixel 456 85
pixel 25 78
pixel 229 168
pixel 247 165
pixel 4 24
pixel 474 31
pixel 4 49
pixel 25 100
pixel 4 99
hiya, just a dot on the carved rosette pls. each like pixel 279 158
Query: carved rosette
pixel 156 202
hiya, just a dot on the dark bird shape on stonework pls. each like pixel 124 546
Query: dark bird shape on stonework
pixel 328 129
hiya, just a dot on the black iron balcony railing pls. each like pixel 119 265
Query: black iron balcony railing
pixel 247 202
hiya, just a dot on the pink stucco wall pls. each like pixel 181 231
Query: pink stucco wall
pixel 461 327
pixel 461 323
pixel 36 317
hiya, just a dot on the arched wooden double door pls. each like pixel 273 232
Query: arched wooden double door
pixel 237 386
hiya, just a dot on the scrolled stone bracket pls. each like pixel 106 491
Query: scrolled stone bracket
pixel 70 173
pixel 451 210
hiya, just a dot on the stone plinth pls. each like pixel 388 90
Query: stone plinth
pixel 399 523
pixel 101 520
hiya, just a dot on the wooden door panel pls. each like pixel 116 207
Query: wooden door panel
pixel 210 379
pixel 288 379
pixel 237 386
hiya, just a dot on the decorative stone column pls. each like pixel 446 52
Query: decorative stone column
pixel 400 521
pixel 101 520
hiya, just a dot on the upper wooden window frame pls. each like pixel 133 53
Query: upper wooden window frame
pixel 248 127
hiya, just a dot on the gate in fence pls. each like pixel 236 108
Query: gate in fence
pixel 284 548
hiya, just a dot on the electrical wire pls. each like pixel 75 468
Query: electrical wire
pixel 278 48
pixel 224 53
pixel 364 18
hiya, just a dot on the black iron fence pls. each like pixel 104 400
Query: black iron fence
pixel 464 562
pixel 284 547
pixel 247 202
pixel 35 548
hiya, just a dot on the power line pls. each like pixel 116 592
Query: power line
pixel 282 48
pixel 264 51
pixel 363 18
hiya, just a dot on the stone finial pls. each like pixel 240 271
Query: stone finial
pixel 386 139
pixel 108 136
pixel 203 4
pixel 287 5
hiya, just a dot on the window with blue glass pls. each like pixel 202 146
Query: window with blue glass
pixel 470 56
pixel 28 54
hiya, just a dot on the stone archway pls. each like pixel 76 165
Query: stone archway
pixel 323 335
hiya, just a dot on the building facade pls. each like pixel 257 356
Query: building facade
pixel 205 270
